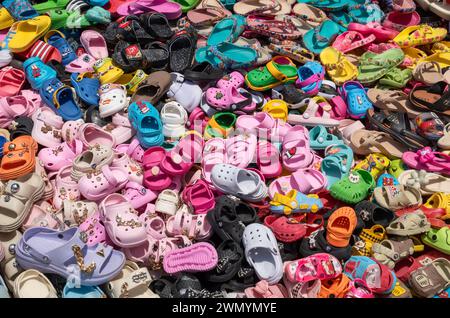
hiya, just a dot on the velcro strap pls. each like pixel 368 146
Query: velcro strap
pixel 275 72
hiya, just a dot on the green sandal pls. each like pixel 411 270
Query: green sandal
pixel 51 5
pixel 59 18
pixel 187 5
pixel 76 20
pixel 278 71
pixel 438 239
pixel 396 78
pixel 220 125
pixel 374 66
pixel 354 188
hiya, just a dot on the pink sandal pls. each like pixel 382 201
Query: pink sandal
pixel 120 128
pixel 318 266
pixel 83 64
pixel 154 177
pixel 134 150
pixel 195 227
pixel 234 79
pixel 199 197
pixel 213 153
pixel 138 195
pixel 98 185
pixel 121 222
pixel 264 290
pixel 128 165
pixel 94 44
pixel 230 99
pixel 62 155
pixel 90 160
pixel 180 159
pixel 70 129
pixel 171 10
pixel 65 187
pixel 351 40
pixel 399 21
pixel 198 257
pixel 381 33
pixel 47 127
pixel 428 160
pixel 241 149
pixel 11 81
pixel 15 106
pixel 154 225
pixel 268 159
pixel 296 152
pixel 93 230
pixel 260 123
pixel 92 135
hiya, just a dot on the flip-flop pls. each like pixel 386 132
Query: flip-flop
pixel 171 10
pixel 51 5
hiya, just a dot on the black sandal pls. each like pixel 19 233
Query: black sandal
pixel 434 98
pixel 157 25
pixel 157 55
pixel 317 243
pixel 398 126
pixel 203 72
pixel 295 97
pixel 181 48
pixel 21 126
pixel 230 256
pixel 372 214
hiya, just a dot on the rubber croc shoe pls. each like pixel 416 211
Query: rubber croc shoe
pixel 337 163
pixel 11 81
pixel 60 98
pixel 83 63
pixel 19 158
pixel 86 86
pixel 320 37
pixel 340 226
pixel 38 72
pixel 82 292
pixel 113 99
pixel 320 139
pixel 220 125
pixel 375 164
pixel 353 188
pixel 20 9
pixel 295 202
pixel 316 243
pixel 106 71
pixel 94 44
pixel 310 77
pixel 146 120
pixel 27 32
pixel 97 264
pixel 278 71
pixel 355 96
pixel 438 239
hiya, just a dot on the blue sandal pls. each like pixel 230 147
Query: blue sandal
pixel 319 138
pixel 355 96
pixel 227 56
pixel 86 87
pixel 342 19
pixel 58 40
pixel 37 72
pixel 145 119
pixel 61 99
pixel 365 13
pixel 322 36
pixel 337 163
pixel 227 30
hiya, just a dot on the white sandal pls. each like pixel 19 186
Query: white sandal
pixel 132 282
pixel 174 118
pixel 33 284
pixel 167 202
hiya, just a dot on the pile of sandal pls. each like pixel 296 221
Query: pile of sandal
pixel 224 149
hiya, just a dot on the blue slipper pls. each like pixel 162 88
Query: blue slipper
pixel 356 98
pixel 98 15
pixel 60 43
pixel 37 72
pixel 387 179
pixel 227 56
pixel 342 19
pixel 20 9
pixel 82 292
pixel 60 98
pixel 337 163
pixel 99 3
pixel 86 86
pixel 366 13
pixel 310 77
pixel 145 119
pixel 319 138
pixel 321 36
pixel 227 30
pixel 3 289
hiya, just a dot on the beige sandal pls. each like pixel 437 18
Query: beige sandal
pixel 409 224
pixel 389 252
pixel 17 200
pixel 427 182
pixel 428 73
pixel 262 7
pixel 444 141
pixel 168 202
pixel 8 266
pixel 391 100
pixel 132 282
pixel 366 142
pixel 33 284
pixel 397 197
pixel 313 15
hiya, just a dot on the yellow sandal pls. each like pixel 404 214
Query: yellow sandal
pixel 419 35
pixel 277 108
pixel 338 66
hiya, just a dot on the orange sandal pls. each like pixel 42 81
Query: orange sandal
pixel 340 226
pixel 19 158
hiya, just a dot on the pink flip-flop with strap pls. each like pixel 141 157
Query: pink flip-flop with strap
pixel 427 159
pixel 171 10
pixel 350 40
